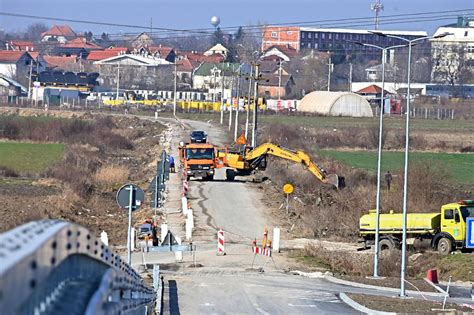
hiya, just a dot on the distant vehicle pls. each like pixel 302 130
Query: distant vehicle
pixel 198 136
pixel 91 97
pixel 144 230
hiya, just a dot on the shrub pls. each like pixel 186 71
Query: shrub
pixel 7 172
pixel 110 175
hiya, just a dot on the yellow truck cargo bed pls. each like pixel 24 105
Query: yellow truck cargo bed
pixel 419 223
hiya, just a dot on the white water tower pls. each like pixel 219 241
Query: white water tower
pixel 215 21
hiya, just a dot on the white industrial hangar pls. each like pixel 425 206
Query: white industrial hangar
pixel 335 104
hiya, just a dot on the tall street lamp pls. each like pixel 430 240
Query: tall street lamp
pixel 379 159
pixel 407 142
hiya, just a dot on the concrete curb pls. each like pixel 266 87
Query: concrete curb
pixel 374 287
pixel 361 308
pixel 438 288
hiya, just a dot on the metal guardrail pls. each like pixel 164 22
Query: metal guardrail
pixel 52 266
pixel 158 184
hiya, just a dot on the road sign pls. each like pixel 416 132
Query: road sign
pixel 288 189
pixel 124 195
pixel 131 197
pixel 469 232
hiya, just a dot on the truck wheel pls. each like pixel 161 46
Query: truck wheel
pixel 230 175
pixel 188 178
pixel 210 177
pixel 386 244
pixel 445 246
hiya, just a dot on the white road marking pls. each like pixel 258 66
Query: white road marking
pixel 207 304
pixel 301 305
pixel 257 307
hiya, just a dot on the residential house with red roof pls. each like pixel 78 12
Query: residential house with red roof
pixel 164 52
pixel 80 47
pixel 277 53
pixel 69 63
pixel 58 33
pixel 276 86
pixel 97 55
pixel 15 64
pixel 20 45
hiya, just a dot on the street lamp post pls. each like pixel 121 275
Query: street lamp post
pixel 379 156
pixel 407 142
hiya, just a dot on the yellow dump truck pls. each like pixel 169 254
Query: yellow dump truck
pixel 445 231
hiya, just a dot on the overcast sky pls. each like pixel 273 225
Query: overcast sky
pixel 180 14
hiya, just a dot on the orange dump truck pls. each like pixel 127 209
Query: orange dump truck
pixel 198 160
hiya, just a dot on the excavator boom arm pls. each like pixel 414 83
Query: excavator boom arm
pixel 295 156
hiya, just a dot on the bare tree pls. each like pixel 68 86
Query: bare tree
pixel 450 64
pixel 33 31
pixel 310 74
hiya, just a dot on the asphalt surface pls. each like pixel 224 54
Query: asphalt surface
pixel 224 284
pixel 207 293
pixel 227 284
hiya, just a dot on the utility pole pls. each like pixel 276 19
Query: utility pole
pixel 255 108
pixel 118 81
pixel 29 80
pixel 175 87
pixel 215 85
pixel 238 105
pixel 350 77
pixel 248 103
pixel 231 98
pixel 329 73
pixel 279 81
pixel 222 94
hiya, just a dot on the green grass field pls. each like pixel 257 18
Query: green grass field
pixel 461 166
pixel 25 157
pixel 348 122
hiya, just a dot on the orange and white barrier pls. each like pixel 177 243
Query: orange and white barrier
pixel 220 242
pixel 262 251
pixel 185 187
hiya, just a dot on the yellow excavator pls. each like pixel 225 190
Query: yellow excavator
pixel 247 161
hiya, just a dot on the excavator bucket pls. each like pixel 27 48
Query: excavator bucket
pixel 336 181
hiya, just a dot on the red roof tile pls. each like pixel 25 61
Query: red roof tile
pixel 33 54
pixel 22 45
pixel 288 51
pixel 81 42
pixel 185 65
pixel 197 57
pixel 164 51
pixel 371 89
pixel 97 55
pixel 59 61
pixel 10 56
pixel 60 30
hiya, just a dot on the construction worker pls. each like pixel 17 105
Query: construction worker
pixel 147 238
pixel 265 238
pixel 388 179
pixel 172 167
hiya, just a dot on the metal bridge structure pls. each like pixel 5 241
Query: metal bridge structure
pixel 58 267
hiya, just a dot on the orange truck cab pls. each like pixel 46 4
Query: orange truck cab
pixel 198 160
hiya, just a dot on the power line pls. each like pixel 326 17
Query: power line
pixel 347 25
pixel 211 30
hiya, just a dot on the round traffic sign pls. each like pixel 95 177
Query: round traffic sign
pixel 125 199
pixel 288 189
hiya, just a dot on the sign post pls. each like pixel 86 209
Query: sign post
pixel 288 189
pixel 130 197
pixel 470 232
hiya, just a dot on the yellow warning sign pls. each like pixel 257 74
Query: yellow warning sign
pixel 288 189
